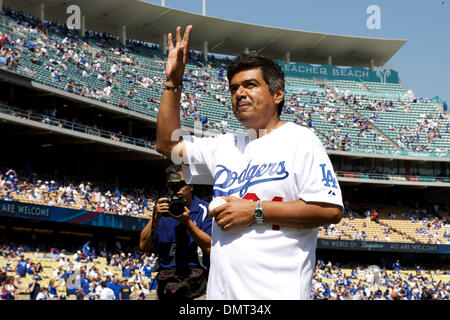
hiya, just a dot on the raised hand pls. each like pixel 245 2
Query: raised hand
pixel 177 56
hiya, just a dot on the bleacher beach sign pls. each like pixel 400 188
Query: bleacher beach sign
pixel 329 72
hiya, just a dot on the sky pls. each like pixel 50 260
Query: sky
pixel 423 63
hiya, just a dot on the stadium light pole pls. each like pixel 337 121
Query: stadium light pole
pixel 205 43
pixel 163 3
pixel 42 11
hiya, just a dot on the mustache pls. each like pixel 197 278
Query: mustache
pixel 240 102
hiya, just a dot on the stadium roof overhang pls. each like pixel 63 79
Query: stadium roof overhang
pixel 149 22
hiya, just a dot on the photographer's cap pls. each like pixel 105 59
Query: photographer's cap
pixel 174 177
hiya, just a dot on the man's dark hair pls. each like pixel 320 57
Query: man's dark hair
pixel 272 73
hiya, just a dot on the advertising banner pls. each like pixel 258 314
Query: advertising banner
pixel 382 246
pixel 65 215
pixel 330 72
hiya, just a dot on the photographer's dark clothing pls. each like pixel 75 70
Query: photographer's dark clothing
pixel 175 246
pixel 173 286
pixel 181 274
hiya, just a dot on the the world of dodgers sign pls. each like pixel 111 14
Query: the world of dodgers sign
pixel 306 70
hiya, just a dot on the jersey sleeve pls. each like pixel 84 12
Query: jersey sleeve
pixel 316 179
pixel 201 161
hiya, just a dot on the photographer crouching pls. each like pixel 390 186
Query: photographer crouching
pixel 179 226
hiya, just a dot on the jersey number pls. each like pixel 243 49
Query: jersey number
pixel 254 197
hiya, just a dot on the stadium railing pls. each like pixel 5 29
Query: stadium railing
pixel 74 126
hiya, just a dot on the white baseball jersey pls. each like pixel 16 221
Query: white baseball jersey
pixel 263 261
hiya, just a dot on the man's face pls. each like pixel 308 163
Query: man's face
pixel 253 104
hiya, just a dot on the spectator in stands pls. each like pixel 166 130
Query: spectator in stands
pixel 115 286
pixel 31 268
pixel 373 215
pixel 43 294
pixel 21 268
pixel 87 249
pixel 84 284
pixel 105 292
pixel 53 254
pixel 125 290
pixel 141 296
pixel 123 102
pixel 38 254
pixel 147 269
pixel 71 279
pixel 396 266
pixel 126 268
pixel 79 296
pixel 8 288
pixel 176 240
pixel 52 289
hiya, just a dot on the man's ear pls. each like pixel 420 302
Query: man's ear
pixel 278 95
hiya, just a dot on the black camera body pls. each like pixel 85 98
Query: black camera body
pixel 176 205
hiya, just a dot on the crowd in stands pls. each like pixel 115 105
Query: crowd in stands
pixel 432 125
pixel 76 193
pixel 101 56
pixel 364 103
pixel 81 273
pixel 9 56
pixel 107 66
pixel 326 107
pixel 428 223
pixel 57 274
pixel 349 232
pixel 360 282
pixel 428 220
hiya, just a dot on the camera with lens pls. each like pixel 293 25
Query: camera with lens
pixel 176 205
